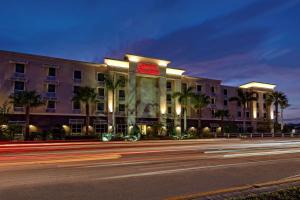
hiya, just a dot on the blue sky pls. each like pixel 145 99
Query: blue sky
pixel 233 40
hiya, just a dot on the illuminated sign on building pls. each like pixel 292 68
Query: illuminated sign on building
pixel 146 68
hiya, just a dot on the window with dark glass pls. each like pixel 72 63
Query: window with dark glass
pixel 247 114
pixel 257 105
pixel 75 89
pixel 225 102
pixel 183 86
pixel 76 105
pixel 51 104
pixel 170 110
pixel 51 88
pixel 101 92
pixel 121 94
pixel 169 98
pixel 122 81
pixel 100 107
pixel 199 88
pixel 213 89
pixel 213 112
pixel 169 85
pixel 100 77
pixel 265 115
pixel 213 100
pixel 265 106
pixel 77 74
pixel 19 86
pixel 257 114
pixel 121 107
pixel 20 68
pixel 264 96
pixel 52 71
pixel 225 92
pixel 239 114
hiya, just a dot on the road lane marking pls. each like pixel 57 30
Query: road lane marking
pixel 172 171
pixel 265 153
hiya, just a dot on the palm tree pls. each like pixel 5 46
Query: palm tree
pixel 222 114
pixel 244 98
pixel 27 99
pixel 183 99
pixel 276 97
pixel 112 85
pixel 283 103
pixel 199 102
pixel 86 95
pixel 4 110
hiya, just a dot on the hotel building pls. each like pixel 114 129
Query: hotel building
pixel 144 99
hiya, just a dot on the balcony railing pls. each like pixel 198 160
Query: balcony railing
pixel 18 109
pixel 121 98
pixel 18 76
pixel 50 110
pixel 50 95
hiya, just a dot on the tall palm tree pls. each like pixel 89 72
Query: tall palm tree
pixel 276 97
pixel 112 84
pixel 183 99
pixel 244 98
pixel 27 99
pixel 200 101
pixel 283 103
pixel 222 114
pixel 86 95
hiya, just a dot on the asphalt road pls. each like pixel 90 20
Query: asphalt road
pixel 141 170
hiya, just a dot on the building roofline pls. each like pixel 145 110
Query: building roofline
pixel 256 84
pixel 50 57
pixel 137 58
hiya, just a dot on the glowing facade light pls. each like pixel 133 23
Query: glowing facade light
pixel 172 71
pixel 110 101
pixel 116 63
pixel 258 85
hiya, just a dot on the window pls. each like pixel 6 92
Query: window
pixel 75 89
pixel 169 98
pixel 51 88
pixel 51 105
pixel 100 77
pixel 100 107
pixel 213 113
pixel 169 110
pixel 122 128
pixel 265 106
pixel 121 94
pixel 100 128
pixel 225 92
pixel 212 89
pixel 52 71
pixel 76 105
pixel 257 114
pixel 199 88
pixel 20 68
pixel 101 92
pixel 257 105
pixel 265 115
pixel 213 100
pixel 239 114
pixel 122 82
pixel 76 128
pixel 264 96
pixel 77 75
pixel 225 102
pixel 183 86
pixel 247 114
pixel 19 86
pixel 121 107
pixel 239 104
pixel 169 85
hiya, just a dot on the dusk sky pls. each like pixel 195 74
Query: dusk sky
pixel 236 41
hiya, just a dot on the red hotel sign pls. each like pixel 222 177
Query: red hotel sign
pixel 146 68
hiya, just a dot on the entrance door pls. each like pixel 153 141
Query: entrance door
pixel 143 129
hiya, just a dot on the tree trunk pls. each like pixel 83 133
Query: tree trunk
pixel 276 117
pixel 282 121
pixel 27 123
pixel 113 112
pixel 185 120
pixel 87 118
pixel 222 126
pixel 199 121
pixel 244 119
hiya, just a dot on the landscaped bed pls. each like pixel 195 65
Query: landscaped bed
pixel 292 193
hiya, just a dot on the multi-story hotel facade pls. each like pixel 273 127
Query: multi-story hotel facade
pixel 144 99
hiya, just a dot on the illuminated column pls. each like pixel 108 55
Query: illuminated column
pixel 254 115
pixel 177 118
pixel 163 96
pixel 110 106
pixel 131 111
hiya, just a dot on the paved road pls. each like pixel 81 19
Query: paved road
pixel 142 170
